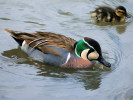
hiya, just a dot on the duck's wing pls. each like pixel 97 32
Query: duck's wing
pixel 43 41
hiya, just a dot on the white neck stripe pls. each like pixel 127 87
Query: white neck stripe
pixel 68 57
pixel 89 44
pixel 23 43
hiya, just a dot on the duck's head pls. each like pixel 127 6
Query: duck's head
pixel 90 49
pixel 121 12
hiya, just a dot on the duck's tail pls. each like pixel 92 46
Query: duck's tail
pixel 16 35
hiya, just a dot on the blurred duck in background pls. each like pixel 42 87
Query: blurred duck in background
pixel 108 14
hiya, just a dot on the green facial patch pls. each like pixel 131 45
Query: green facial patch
pixel 81 45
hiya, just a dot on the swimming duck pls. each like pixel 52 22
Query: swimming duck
pixel 59 50
pixel 107 14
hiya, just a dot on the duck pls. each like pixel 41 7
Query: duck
pixel 108 14
pixel 59 50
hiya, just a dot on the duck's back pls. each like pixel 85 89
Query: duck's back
pixel 104 13
pixel 46 47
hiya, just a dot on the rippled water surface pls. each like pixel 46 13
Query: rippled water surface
pixel 24 79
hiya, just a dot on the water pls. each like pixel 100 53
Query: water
pixel 24 79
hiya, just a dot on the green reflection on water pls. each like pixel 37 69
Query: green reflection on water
pixel 34 23
pixel 4 18
pixel 65 13
pixel 91 78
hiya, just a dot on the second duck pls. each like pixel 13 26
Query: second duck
pixel 108 14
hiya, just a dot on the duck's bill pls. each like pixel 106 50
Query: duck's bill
pixel 104 62
pixel 128 16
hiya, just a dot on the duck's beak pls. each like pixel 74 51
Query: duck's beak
pixel 128 16
pixel 104 62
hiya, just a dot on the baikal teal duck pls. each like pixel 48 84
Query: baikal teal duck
pixel 58 50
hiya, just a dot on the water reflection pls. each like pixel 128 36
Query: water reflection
pixel 17 55
pixel 34 23
pixel 4 19
pixel 121 29
pixel 91 78
pixel 64 13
